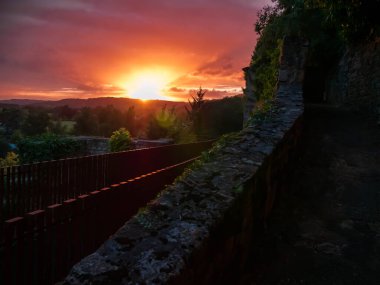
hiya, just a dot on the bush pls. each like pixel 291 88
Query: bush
pixel 10 159
pixel 120 140
pixel 47 147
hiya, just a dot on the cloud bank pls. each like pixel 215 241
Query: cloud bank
pixel 49 48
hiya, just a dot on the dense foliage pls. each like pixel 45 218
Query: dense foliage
pixel 11 159
pixel 4 146
pixel 328 25
pixel 11 119
pixel 47 147
pixel 162 124
pixel 195 107
pixel 102 121
pixel 356 20
pixel 167 124
pixel 120 140
pixel 36 122
pixel 206 120
pixel 42 133
pixel 219 117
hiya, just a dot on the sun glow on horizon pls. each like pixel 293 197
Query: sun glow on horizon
pixel 148 85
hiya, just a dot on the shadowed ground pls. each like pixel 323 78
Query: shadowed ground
pixel 326 228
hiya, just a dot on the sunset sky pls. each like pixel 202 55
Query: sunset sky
pixel 54 49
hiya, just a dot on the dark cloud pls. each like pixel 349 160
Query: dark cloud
pixel 176 89
pixel 211 94
pixel 93 88
pixel 220 66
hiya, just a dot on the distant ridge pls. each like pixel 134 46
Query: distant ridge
pixel 20 102
pixel 119 103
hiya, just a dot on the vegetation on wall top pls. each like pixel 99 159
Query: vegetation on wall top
pixel 329 25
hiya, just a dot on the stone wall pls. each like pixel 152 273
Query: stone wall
pixel 199 230
pixel 355 82
pixel 93 145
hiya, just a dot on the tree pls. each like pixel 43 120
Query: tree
pixel 120 140
pixel 161 125
pixel 64 113
pixel 11 119
pixel 129 120
pixel 214 120
pixel 4 146
pixel 58 128
pixel 109 119
pixel 86 122
pixel 356 19
pixel 37 122
pixel 266 16
pixel 195 107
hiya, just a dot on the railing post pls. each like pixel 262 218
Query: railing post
pixel 69 207
pixel 13 250
pixel 55 240
pixel 96 219
pixel 84 205
pixel 2 194
pixel 34 258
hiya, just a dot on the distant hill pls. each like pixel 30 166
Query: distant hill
pixel 119 103
pixel 20 102
pixel 92 102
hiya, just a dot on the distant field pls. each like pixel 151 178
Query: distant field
pixel 69 125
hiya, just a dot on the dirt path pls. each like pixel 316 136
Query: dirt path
pixel 326 230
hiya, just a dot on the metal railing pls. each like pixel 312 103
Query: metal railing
pixel 66 212
pixel 26 188
pixel 42 246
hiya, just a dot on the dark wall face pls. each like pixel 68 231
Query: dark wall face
pixel 314 85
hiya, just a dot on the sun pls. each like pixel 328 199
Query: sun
pixel 147 85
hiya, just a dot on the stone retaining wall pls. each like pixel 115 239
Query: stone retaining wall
pixel 200 229
pixel 355 82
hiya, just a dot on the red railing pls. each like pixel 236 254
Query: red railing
pixel 42 246
pixel 61 210
pixel 35 186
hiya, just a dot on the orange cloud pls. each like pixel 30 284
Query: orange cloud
pixel 85 46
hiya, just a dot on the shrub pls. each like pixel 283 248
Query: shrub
pixel 10 159
pixel 47 147
pixel 120 140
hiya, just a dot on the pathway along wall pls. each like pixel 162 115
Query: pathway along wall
pixel 200 229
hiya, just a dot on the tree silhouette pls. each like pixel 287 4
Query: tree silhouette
pixel 37 122
pixel 86 122
pixel 11 119
pixel 196 105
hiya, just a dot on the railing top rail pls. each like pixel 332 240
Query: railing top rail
pixel 108 153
